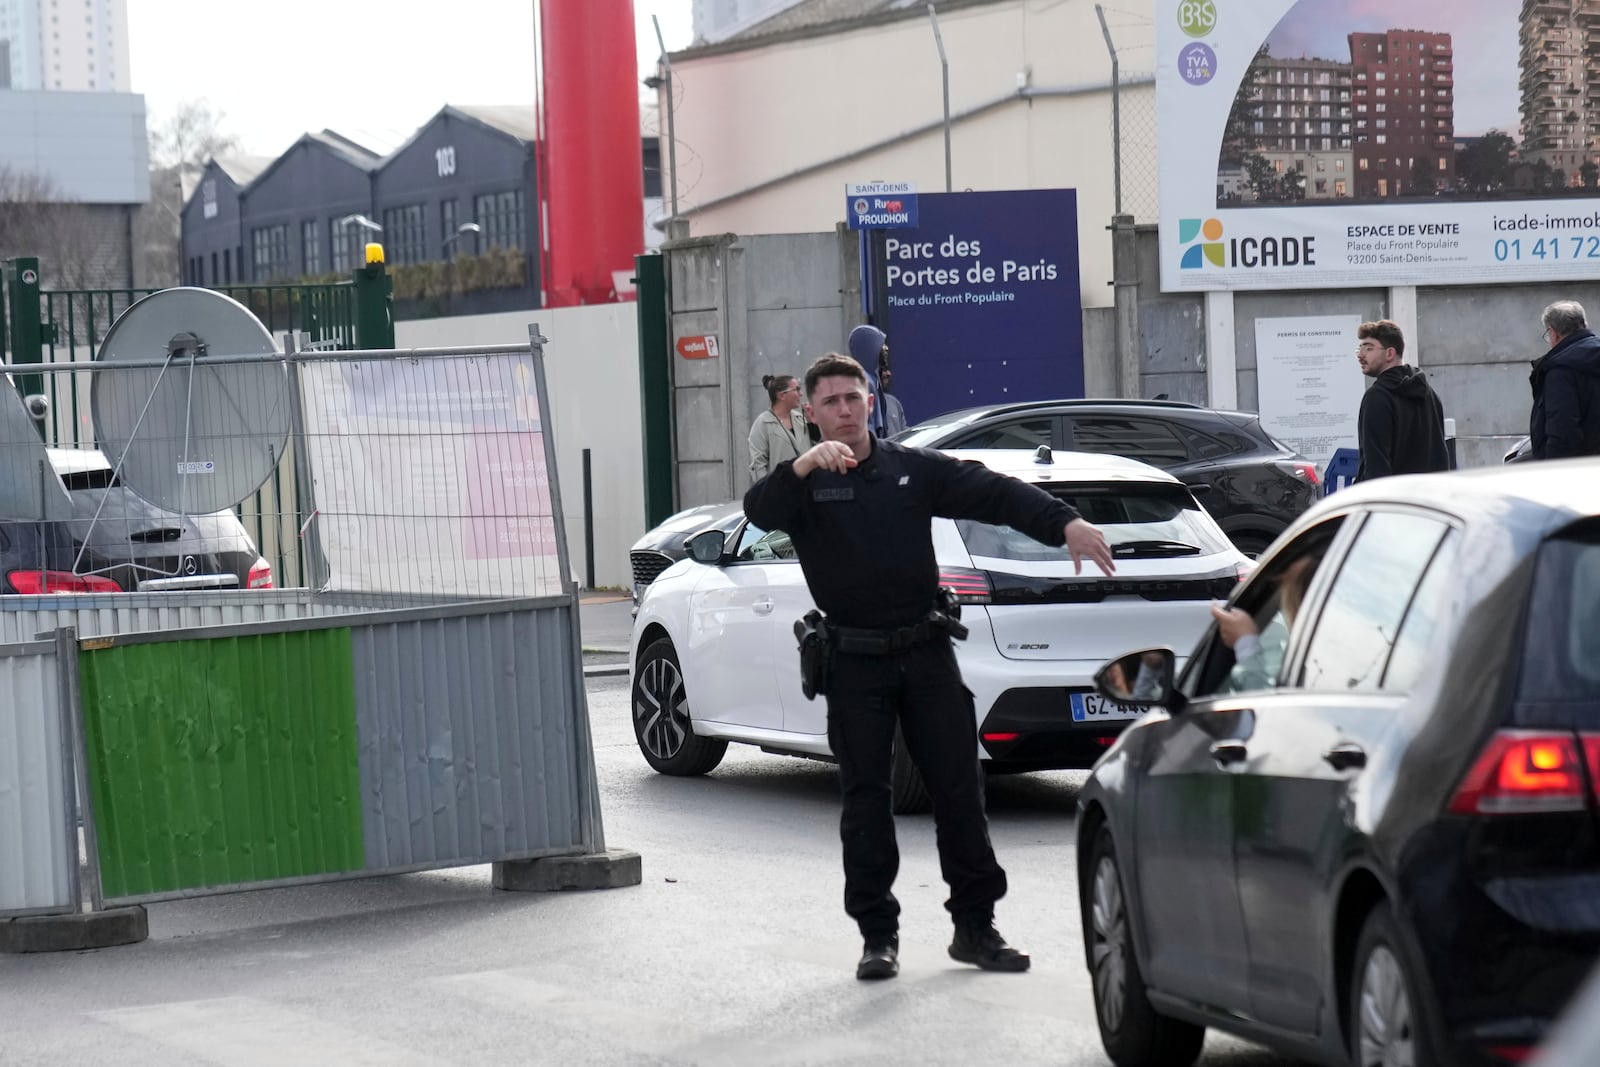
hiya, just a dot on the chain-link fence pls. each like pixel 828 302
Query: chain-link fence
pixel 1133 111
pixel 421 473
pixel 1138 148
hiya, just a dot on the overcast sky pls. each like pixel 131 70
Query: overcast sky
pixel 373 72
pixel 1483 35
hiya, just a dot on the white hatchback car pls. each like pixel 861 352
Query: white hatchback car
pixel 715 658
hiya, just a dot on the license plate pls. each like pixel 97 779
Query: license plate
pixel 1092 707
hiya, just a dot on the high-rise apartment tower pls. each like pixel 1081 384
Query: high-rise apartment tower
pixel 64 44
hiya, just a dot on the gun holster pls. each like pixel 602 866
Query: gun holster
pixel 816 653
pixel 947 614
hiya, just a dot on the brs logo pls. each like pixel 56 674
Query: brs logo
pixel 1205 245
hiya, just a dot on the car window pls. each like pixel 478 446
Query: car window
pixel 1204 446
pixel 1377 582
pixel 1272 601
pixel 1561 648
pixel 1428 611
pixel 1150 521
pixel 763 546
pixel 1023 433
pixel 1142 439
pixel 924 434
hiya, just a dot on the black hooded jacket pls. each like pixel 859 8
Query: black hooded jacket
pixel 1400 429
pixel 1566 399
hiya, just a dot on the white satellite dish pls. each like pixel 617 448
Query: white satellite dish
pixel 204 420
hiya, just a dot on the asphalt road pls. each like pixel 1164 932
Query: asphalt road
pixel 734 951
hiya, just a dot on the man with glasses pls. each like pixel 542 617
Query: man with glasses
pixel 1400 425
pixel 1566 386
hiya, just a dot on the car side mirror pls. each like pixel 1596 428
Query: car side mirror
pixel 706 546
pixel 1142 677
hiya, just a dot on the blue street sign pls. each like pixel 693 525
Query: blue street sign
pixel 880 205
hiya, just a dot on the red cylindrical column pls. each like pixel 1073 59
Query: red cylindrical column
pixel 593 180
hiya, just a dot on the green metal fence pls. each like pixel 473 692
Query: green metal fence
pixel 66 327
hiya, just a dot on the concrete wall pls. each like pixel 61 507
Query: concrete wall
pixel 775 302
pixel 592 372
pixel 1474 343
pixel 777 130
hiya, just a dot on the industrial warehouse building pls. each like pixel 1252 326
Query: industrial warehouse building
pixel 461 193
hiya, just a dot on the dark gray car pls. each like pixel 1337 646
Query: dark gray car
pixel 1375 838
pixel 1254 485
pixel 116 534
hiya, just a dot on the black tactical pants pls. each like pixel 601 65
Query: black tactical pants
pixel 921 687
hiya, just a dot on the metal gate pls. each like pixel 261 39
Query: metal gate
pixel 421 707
pixel 66 326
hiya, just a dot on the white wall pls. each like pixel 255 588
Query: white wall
pixel 92 145
pixel 764 115
pixel 592 373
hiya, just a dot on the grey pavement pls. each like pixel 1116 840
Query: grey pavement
pixel 606 620
pixel 733 951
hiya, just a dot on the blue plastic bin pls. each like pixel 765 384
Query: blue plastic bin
pixel 1341 470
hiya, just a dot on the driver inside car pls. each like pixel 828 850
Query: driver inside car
pixel 1258 652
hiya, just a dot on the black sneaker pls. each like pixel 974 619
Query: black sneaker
pixel 879 959
pixel 984 946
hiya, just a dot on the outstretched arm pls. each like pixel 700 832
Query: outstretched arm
pixel 969 490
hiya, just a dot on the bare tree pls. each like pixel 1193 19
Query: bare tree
pixel 75 247
pixel 189 137
pixel 180 147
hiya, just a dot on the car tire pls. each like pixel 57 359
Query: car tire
pixel 1133 1032
pixel 1252 544
pixel 661 721
pixel 908 792
pixel 1388 1014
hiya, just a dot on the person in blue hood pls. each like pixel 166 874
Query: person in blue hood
pixel 1566 386
pixel 866 344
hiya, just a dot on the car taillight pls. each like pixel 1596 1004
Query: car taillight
pixel 1246 569
pixel 1306 472
pixel 260 576
pixel 971 586
pixel 1526 772
pixel 39 582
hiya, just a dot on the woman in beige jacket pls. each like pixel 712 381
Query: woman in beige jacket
pixel 779 433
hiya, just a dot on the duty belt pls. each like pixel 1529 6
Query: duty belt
pixel 859 642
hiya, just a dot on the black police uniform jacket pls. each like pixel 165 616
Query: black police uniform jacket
pixel 865 538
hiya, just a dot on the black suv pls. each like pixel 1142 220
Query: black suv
pixel 1257 484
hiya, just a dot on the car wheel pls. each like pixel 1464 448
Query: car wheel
pixel 1388 1021
pixel 1252 544
pixel 661 716
pixel 908 792
pixel 1133 1032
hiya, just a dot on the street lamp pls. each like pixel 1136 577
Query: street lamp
pixel 461 231
pixel 362 221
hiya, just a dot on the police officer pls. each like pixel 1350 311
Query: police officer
pixel 858 510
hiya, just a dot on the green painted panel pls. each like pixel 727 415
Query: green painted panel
pixel 223 762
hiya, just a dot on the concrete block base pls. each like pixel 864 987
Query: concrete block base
pixel 611 869
pixel 74 933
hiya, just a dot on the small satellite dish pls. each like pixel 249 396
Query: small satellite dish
pixel 194 435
